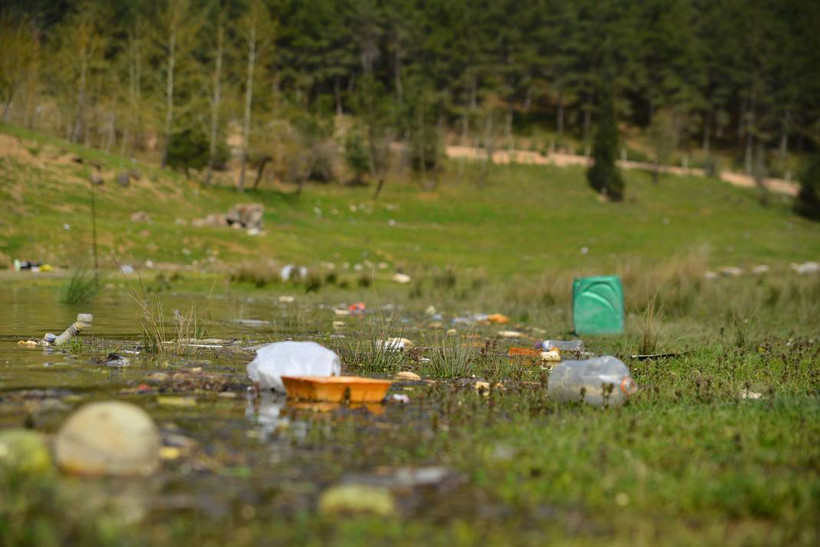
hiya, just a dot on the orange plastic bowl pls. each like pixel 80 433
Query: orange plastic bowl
pixel 336 388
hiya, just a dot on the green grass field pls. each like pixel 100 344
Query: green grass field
pixel 528 219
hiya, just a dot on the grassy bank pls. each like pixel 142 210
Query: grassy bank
pixel 527 220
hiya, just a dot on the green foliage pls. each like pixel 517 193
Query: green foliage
pixel 807 203
pixel 81 287
pixel 188 149
pixel 356 153
pixel 604 176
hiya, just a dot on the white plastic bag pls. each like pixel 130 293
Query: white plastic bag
pixel 291 359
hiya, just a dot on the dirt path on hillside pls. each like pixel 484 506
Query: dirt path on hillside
pixel 780 186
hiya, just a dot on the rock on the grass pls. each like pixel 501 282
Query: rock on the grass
pixel 108 438
pixel 24 452
pixel 124 178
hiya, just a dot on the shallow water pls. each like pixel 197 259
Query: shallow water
pixel 239 450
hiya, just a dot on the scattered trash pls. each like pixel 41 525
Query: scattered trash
pixel 286 299
pixel 498 319
pixel 656 356
pixel 550 356
pixel 24 452
pixel 484 387
pixel 730 271
pixel 510 334
pixel 598 305
pixel 112 360
pixel 401 278
pixel 523 352
pixel 73 330
pixel 407 376
pixel 399 398
pixel 127 269
pixel 338 325
pixel 405 480
pixel 761 269
pixel 431 310
pixel 805 268
pixel 356 309
pixel 291 359
pixel 108 438
pixel 394 344
pixel 336 389
pixel 746 394
pixel 560 345
pixel 597 381
pixel 178 402
pixel 289 272
pixel 356 498
pixel 20 265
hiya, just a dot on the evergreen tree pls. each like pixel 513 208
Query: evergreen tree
pixel 604 175
pixel 807 203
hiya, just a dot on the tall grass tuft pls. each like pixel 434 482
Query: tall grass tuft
pixel 160 336
pixel 450 358
pixel 80 288
pixel 367 351
pixel 649 326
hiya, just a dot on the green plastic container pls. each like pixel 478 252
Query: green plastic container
pixel 598 305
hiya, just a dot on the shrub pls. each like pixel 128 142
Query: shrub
pixel 356 154
pixel 604 175
pixel 807 203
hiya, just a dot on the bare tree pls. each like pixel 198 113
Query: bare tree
pixel 257 28
pixel 176 37
pixel 19 51
pixel 216 96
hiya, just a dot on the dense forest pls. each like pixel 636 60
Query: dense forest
pixel 180 78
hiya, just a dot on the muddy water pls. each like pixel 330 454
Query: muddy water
pixel 235 450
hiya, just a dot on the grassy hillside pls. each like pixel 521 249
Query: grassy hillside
pixel 526 220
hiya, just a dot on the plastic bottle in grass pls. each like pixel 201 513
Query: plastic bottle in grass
pixel 601 381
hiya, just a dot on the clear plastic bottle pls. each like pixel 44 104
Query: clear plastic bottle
pixel 601 381
pixel 562 345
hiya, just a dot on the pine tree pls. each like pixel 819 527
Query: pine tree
pixel 807 203
pixel 604 175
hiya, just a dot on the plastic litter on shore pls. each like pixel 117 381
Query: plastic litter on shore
pixel 291 359
pixel 336 388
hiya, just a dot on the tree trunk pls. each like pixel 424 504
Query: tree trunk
pixel 707 129
pixel 379 186
pixel 8 104
pixel 169 96
pixel 216 98
pixel 784 135
pixel 508 126
pixel 397 74
pixel 560 116
pixel 489 148
pixel 260 170
pixel 246 127
pixel 79 123
pixel 337 95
